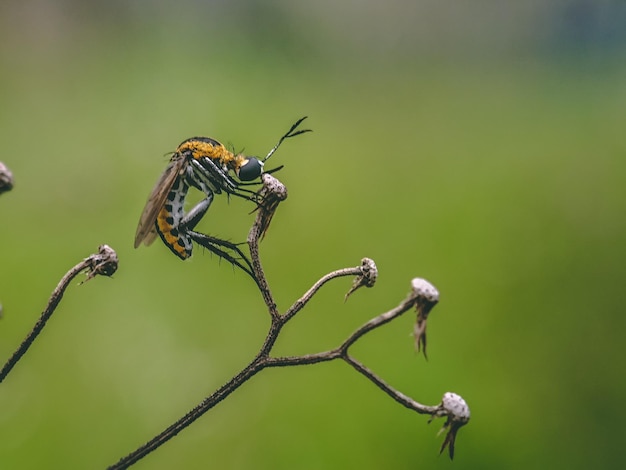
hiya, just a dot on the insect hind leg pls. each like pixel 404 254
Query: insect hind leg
pixel 221 248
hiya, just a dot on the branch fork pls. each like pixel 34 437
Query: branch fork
pixel 422 297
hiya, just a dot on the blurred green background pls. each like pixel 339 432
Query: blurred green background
pixel 479 145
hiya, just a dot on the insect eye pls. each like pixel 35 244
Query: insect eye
pixel 250 170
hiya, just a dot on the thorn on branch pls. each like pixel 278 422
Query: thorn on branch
pixel 367 278
pixel 6 178
pixel 455 409
pixel 426 297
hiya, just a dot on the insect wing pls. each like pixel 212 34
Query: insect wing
pixel 146 231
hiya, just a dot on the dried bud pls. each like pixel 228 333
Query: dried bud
pixel 6 178
pixel 367 278
pixel 103 264
pixel 426 297
pixel 271 194
pixel 454 408
pixel 272 187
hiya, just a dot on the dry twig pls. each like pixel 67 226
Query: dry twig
pixel 423 297
pixel 103 263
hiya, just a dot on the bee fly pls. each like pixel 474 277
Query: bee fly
pixel 205 164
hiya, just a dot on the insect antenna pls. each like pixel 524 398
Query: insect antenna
pixel 290 133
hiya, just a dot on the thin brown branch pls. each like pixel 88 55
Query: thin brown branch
pixel 380 320
pixel 388 389
pixel 263 360
pixel 452 406
pixel 302 301
pixel 366 275
pixel 270 196
pixel 306 359
pixel 224 391
pixel 342 353
pixel 103 263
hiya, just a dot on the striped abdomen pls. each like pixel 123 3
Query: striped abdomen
pixel 170 217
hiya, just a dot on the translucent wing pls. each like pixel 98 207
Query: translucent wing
pixel 146 231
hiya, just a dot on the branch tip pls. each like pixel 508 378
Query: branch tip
pixel 367 277
pixel 272 186
pixel 424 289
pixel 455 409
pixel 426 297
pixel 104 263
pixel 270 195
pixel 6 178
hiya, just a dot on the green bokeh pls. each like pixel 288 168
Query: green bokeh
pixel 501 179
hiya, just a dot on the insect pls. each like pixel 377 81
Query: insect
pixel 207 165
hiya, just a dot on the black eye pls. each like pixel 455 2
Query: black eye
pixel 250 170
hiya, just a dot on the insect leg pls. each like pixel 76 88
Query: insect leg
pixel 207 176
pixel 192 217
pixel 218 246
